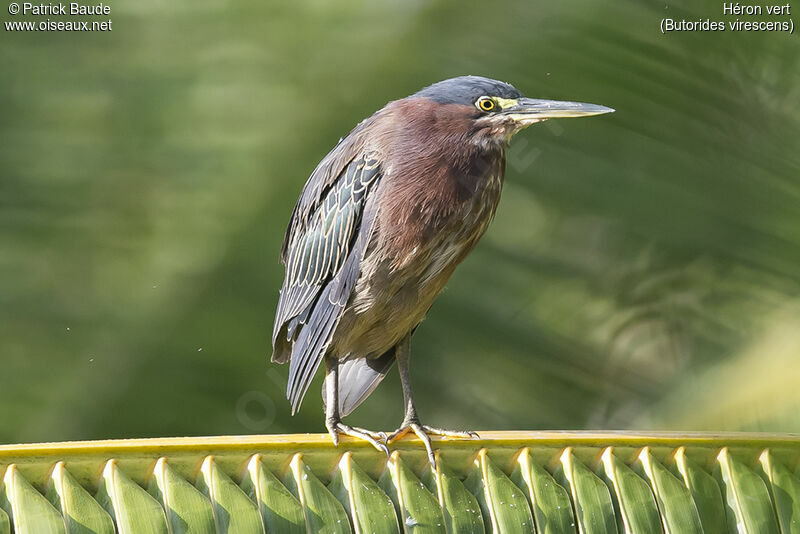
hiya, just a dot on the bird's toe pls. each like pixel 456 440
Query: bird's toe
pixel 376 439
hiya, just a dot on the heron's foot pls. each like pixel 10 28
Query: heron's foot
pixel 423 432
pixel 377 439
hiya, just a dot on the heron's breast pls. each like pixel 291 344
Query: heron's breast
pixel 447 235
pixel 414 250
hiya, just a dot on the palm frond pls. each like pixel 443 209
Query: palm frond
pixel 504 482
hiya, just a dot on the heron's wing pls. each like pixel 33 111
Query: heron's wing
pixel 317 200
pixel 325 177
pixel 323 260
pixel 358 377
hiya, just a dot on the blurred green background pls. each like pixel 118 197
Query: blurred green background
pixel 643 270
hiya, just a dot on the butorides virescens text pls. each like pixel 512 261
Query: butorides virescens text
pixel 380 226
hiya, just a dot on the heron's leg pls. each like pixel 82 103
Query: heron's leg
pixel 332 419
pixel 411 421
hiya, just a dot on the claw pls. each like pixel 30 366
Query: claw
pixel 334 433
pixel 399 433
pixel 336 428
pixel 423 431
pixel 378 436
pixel 465 434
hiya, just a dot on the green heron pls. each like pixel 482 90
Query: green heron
pixel 378 229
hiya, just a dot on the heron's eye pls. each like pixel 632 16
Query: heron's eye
pixel 486 104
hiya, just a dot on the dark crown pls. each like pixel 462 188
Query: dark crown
pixel 466 90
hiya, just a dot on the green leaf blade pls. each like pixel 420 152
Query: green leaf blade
pixel 80 511
pixel 705 492
pixel 280 510
pixel 322 511
pixel 418 510
pixel 678 511
pixel 30 511
pixel 460 509
pixel 594 509
pixel 134 510
pixel 233 511
pixel 635 500
pixel 785 489
pixel 503 504
pixel 369 507
pixel 550 502
pixel 748 503
pixel 187 509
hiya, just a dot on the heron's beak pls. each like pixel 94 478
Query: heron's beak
pixel 529 110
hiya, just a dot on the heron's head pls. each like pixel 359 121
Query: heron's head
pixel 498 110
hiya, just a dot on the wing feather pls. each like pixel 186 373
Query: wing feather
pixel 324 177
pixel 314 337
pixel 323 249
pixel 358 377
pixel 315 256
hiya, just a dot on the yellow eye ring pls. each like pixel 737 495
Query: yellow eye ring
pixel 486 104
